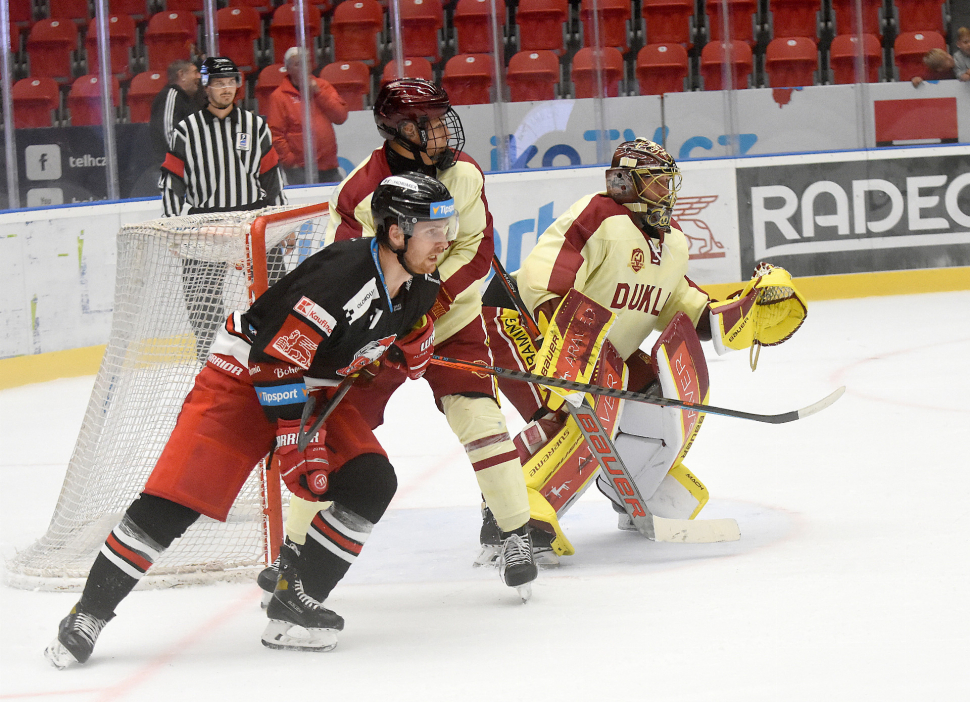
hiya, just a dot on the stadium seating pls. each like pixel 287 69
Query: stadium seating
pixel 468 79
pixel 909 49
pixel 136 9
pixel 842 57
pixel 845 21
pixel 239 29
pixel 541 24
pixel 265 8
pixel 614 16
pixel 78 11
pixel 585 84
pixel 791 62
pixel 84 100
pixel 268 80
pixel 669 21
pixel 533 76
pixel 121 38
pixel 715 54
pixel 142 91
pixel 351 80
pixel 421 20
pixel 742 16
pixel 354 28
pixel 795 18
pixel 282 28
pixel 34 102
pixel 171 35
pixel 413 68
pixel 919 16
pixel 662 68
pixel 473 25
pixel 50 46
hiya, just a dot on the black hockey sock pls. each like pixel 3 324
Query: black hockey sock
pixel 147 529
pixel 334 540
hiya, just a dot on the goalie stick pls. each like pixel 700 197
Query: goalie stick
pixel 527 377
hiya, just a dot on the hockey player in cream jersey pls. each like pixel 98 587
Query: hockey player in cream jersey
pixel 620 250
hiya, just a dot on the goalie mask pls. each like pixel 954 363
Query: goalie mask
pixel 644 178
pixel 419 204
pixel 417 114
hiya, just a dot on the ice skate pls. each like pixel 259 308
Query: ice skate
pixel 490 538
pixel 516 564
pixel 297 621
pixel 270 574
pixel 542 552
pixel 76 636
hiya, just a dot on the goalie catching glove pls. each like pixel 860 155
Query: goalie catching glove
pixel 766 312
pixel 411 353
pixel 304 472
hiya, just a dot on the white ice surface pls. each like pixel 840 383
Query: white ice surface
pixel 851 580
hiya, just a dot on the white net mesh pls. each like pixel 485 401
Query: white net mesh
pixel 177 278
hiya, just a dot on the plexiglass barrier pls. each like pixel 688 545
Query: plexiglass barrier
pixel 537 83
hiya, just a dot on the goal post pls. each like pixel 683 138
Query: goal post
pixel 177 279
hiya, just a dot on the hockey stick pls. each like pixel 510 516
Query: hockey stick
pixel 303 436
pixel 513 292
pixel 524 376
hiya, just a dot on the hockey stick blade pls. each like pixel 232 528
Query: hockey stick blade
pixel 526 377
pixel 303 436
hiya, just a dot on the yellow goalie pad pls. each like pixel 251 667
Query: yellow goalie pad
pixel 766 312
pixel 541 511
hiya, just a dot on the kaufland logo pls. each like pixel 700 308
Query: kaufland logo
pixel 320 318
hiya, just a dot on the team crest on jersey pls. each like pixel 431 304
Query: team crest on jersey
pixel 320 318
pixel 636 260
pixel 242 141
pixel 367 355
pixel 295 342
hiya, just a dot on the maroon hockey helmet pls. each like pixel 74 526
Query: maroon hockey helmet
pixel 418 102
pixel 644 178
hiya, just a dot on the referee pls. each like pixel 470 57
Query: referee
pixel 221 159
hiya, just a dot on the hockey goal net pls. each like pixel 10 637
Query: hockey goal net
pixel 177 279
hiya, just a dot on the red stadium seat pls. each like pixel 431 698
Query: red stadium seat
pixel 239 28
pixel 78 11
pixel 669 21
pixel 121 37
pixel 845 17
pixel 136 9
pixel 413 68
pixel 142 91
pixel 473 25
pixel 791 62
pixel 794 18
pixel 170 35
pixel 584 72
pixel 468 79
pixel 84 100
pixel 662 68
pixel 196 7
pixel 909 50
pixel 614 15
pixel 920 16
pixel 282 28
pixel 842 57
pixel 268 80
pixel 21 12
pixel 742 15
pixel 34 101
pixel 49 48
pixel 351 80
pixel 533 76
pixel 354 27
pixel 421 20
pixel 541 24
pixel 715 54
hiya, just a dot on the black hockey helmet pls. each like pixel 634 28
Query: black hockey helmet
pixel 644 178
pixel 219 67
pixel 406 200
pixel 419 102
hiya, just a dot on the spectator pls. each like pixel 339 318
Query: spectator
pixel 961 57
pixel 285 119
pixel 939 66
pixel 180 98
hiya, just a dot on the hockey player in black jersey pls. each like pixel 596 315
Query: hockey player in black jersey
pixel 339 311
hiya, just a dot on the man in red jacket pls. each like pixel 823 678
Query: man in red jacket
pixel 285 119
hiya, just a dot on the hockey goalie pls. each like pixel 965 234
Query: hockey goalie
pixel 607 274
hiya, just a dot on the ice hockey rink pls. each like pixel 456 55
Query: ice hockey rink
pixel 850 581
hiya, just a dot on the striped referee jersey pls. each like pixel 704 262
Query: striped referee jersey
pixel 221 164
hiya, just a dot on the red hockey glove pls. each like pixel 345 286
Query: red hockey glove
pixel 411 354
pixel 305 472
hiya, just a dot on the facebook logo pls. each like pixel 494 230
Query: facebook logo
pixel 43 162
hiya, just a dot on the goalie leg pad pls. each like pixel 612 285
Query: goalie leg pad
pixel 680 495
pixel 542 515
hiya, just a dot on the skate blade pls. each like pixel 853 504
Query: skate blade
pixel 266 599
pixel 489 556
pixel 286 636
pixel 525 592
pixel 546 560
pixel 58 655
